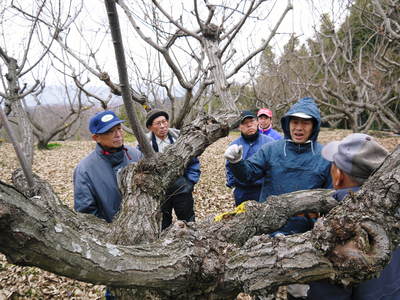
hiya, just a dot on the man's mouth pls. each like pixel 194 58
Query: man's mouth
pixel 298 135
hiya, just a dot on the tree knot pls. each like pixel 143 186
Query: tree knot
pixel 212 31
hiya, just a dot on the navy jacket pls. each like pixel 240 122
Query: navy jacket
pixel 385 287
pixel 185 183
pixel 285 166
pixel 271 133
pixel 246 190
pixel 95 181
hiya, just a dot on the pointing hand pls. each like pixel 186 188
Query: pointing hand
pixel 234 153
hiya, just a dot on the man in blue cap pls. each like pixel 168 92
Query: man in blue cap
pixel 95 177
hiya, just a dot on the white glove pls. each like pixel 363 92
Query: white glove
pixel 234 153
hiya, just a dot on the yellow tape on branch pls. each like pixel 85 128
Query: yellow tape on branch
pixel 241 208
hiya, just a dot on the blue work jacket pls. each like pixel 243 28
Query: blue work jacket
pixel 95 181
pixel 246 190
pixel 286 166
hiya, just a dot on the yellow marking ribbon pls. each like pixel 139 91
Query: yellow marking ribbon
pixel 241 208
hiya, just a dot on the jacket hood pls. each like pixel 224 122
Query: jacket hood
pixel 305 105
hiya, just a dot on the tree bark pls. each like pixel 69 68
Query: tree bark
pixel 213 260
pixel 218 74
pixel 13 100
pixel 113 19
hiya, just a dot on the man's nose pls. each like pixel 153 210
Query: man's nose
pixel 298 126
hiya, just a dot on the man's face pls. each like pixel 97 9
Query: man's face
pixel 248 126
pixel 300 129
pixel 113 138
pixel 160 127
pixel 264 121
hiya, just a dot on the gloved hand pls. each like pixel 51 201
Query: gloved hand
pixel 234 153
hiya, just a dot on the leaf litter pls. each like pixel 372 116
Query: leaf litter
pixel 57 165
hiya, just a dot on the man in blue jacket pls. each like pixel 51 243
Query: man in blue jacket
pixel 288 165
pixel 354 159
pixel 179 196
pixel 95 177
pixel 264 117
pixel 251 140
pixel 291 164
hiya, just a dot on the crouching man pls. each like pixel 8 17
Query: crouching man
pixel 354 159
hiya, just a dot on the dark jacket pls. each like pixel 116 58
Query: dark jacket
pixel 271 133
pixel 183 184
pixel 285 166
pixel 250 190
pixel 385 287
pixel 95 181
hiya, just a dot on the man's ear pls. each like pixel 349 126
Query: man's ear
pixel 339 177
pixel 95 137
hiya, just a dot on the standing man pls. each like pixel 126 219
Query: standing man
pixel 291 164
pixel 354 159
pixel 264 116
pixel 179 196
pixel 251 140
pixel 95 177
pixel 288 165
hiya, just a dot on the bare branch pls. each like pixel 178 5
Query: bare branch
pixel 265 44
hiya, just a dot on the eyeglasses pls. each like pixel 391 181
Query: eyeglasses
pixel 159 123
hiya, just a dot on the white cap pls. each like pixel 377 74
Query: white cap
pixel 301 115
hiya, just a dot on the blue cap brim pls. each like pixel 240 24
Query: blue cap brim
pixel 109 126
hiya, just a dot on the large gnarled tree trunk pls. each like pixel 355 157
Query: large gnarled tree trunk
pixel 198 260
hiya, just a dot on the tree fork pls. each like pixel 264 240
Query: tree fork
pixel 198 260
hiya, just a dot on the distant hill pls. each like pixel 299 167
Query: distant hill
pixel 57 94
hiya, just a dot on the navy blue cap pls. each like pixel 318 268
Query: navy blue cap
pixel 103 122
pixel 247 114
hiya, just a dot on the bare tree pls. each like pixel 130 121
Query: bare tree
pixel 210 41
pixel 52 120
pixel 199 260
pixel 355 84
pixel 19 63
pixel 12 71
pixel 280 81
pixel 205 259
pixel 351 71
pixel 186 48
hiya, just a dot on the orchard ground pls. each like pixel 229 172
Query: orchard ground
pixel 57 165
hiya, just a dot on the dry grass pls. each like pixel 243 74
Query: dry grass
pixel 56 166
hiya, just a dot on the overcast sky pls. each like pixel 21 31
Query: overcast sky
pixel 305 17
pixel 301 20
